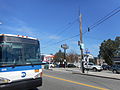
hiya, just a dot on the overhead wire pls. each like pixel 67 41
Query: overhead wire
pixel 64 29
pixel 105 16
pixel 72 23
pixel 109 15
pixel 63 40
pixel 105 19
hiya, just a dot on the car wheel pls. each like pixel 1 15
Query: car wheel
pixel 87 69
pixel 114 71
pixel 99 70
pixel 94 69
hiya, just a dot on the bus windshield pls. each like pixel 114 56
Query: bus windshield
pixel 19 53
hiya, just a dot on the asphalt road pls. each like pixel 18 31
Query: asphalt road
pixel 53 80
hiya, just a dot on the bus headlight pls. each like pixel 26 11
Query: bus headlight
pixel 38 75
pixel 4 80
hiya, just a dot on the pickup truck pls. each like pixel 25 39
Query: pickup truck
pixel 91 66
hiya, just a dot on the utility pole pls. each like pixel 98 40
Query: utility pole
pixel 81 45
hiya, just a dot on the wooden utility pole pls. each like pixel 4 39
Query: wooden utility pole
pixel 81 44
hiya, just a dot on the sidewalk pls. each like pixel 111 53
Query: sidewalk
pixel 102 74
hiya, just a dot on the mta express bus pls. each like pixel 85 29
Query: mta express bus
pixel 20 64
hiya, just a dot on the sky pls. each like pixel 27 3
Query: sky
pixel 54 22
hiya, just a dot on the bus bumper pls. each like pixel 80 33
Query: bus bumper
pixel 21 85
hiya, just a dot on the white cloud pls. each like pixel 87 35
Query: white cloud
pixel 94 49
pixel 20 27
pixel 54 37
pixel 17 26
pixel 19 22
pixel 74 42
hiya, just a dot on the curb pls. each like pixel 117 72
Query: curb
pixel 49 69
pixel 95 75
pixel 75 72
pixel 68 70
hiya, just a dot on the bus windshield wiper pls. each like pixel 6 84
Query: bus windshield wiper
pixel 14 64
pixel 31 63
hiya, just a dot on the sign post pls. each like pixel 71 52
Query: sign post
pixel 64 46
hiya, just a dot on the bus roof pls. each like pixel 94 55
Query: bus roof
pixel 18 36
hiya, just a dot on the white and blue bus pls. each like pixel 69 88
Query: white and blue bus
pixel 20 64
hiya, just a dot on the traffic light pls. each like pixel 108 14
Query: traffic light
pixel 88 29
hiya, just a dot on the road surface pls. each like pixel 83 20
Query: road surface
pixel 54 80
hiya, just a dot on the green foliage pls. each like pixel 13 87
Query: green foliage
pixel 117 52
pixel 107 50
pixel 59 56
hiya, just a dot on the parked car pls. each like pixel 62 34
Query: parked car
pixel 62 65
pixel 71 66
pixel 91 66
pixel 106 67
pixel 51 65
pixel 56 65
pixel 115 69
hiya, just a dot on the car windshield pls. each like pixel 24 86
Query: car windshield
pixel 118 66
pixel 90 64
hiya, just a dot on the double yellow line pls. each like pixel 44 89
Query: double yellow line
pixel 99 88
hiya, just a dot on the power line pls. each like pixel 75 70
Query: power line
pixel 69 38
pixel 94 38
pixel 64 29
pixel 67 27
pixel 104 17
pixel 63 40
pixel 109 15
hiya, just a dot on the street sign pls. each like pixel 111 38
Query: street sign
pixel 81 46
pixel 86 51
pixel 64 46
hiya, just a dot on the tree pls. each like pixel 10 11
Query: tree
pixel 107 50
pixel 72 56
pixel 59 56
pixel 117 52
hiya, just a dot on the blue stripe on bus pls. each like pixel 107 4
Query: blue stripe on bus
pixel 20 68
